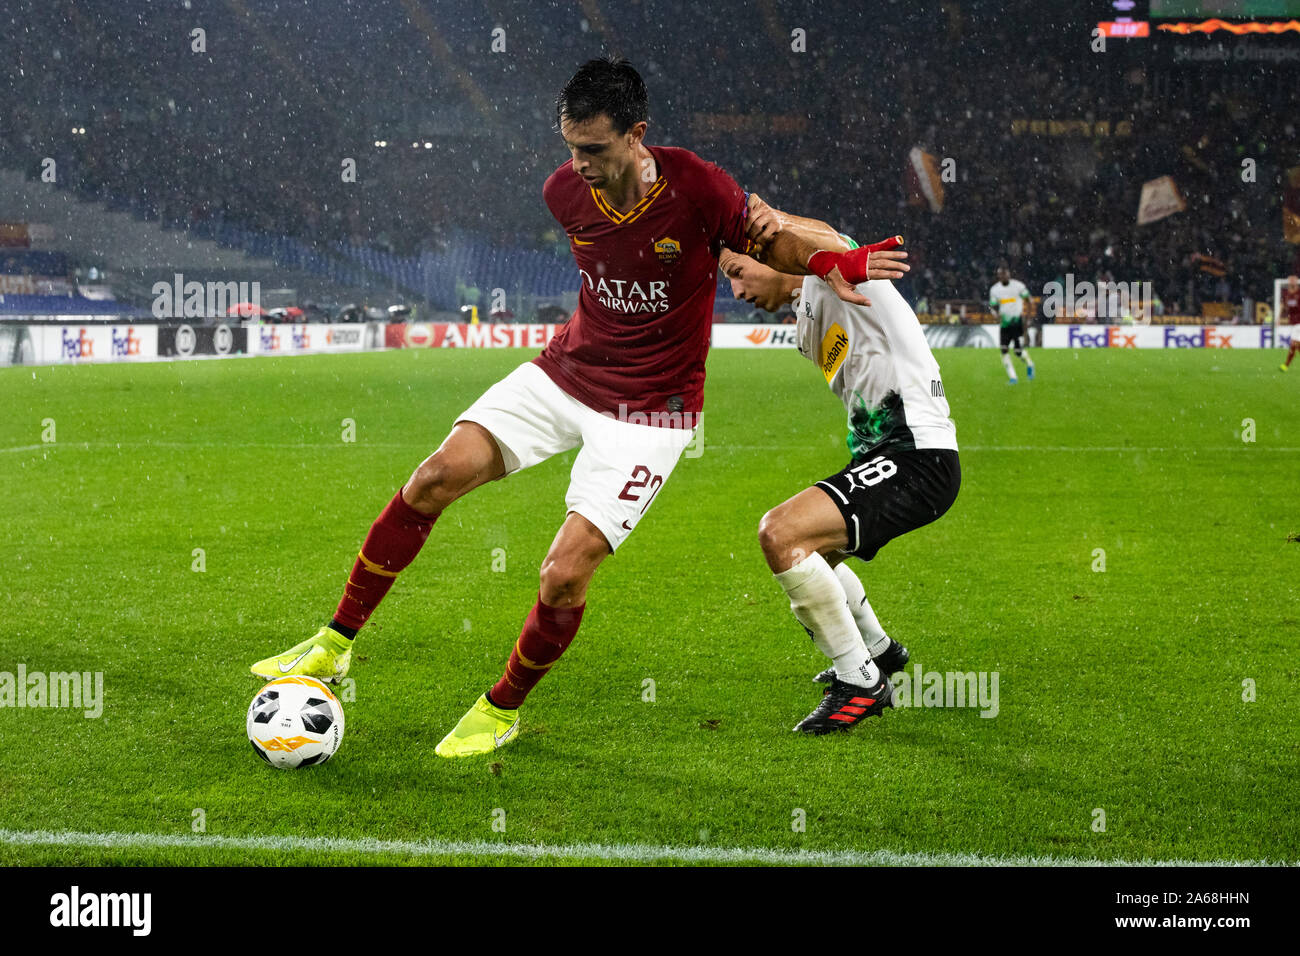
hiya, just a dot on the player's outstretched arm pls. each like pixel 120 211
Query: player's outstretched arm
pixel 765 224
pixel 800 246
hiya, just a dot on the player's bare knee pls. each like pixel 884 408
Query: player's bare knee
pixel 563 582
pixel 767 532
pixel 435 484
pixel 776 538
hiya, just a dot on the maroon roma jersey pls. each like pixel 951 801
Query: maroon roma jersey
pixel 639 337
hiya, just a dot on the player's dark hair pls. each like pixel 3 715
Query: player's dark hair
pixel 607 85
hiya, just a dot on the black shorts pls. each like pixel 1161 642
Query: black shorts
pixel 891 493
pixel 1012 333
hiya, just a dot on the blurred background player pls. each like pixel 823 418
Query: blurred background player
pixel 1007 298
pixel 1291 310
pixel 904 474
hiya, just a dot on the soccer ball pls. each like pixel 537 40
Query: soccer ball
pixel 295 722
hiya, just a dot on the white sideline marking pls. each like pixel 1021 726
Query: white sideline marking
pixel 629 852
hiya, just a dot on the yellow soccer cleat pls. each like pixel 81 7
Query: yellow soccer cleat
pixel 482 730
pixel 326 656
pixel 1283 366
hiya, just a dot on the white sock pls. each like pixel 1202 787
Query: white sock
pixel 1006 364
pixel 1024 354
pixel 873 635
pixel 819 604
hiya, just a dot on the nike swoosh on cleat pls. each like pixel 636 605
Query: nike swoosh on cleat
pixel 498 741
pixel 294 662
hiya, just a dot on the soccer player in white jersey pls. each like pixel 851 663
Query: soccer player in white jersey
pixel 1007 298
pixel 904 474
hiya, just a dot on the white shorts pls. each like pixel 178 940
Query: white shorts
pixel 620 468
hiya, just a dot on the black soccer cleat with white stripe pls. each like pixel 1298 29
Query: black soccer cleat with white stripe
pixel 893 660
pixel 844 705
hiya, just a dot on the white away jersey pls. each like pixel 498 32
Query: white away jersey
pixel 1008 298
pixel 876 359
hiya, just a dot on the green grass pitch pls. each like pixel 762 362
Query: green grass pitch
pixel 1121 691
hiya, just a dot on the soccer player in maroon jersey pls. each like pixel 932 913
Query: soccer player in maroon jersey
pixel 1291 304
pixel 622 380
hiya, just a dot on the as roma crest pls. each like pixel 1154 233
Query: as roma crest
pixel 668 250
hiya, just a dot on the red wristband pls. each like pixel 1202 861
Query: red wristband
pixel 852 264
pixel 893 242
pixel 821 262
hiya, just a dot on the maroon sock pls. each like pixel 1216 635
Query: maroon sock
pixel 393 542
pixel 547 632
pixel 1295 347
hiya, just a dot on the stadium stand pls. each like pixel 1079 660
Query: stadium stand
pixel 1047 171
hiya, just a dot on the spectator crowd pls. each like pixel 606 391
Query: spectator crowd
pixel 1045 143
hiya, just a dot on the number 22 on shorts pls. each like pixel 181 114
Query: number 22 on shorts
pixel 641 478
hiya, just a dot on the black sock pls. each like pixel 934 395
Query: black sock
pixel 348 632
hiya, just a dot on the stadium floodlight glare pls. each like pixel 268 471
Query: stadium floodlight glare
pixel 428 145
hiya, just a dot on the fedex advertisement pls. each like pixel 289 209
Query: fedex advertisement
pixel 311 337
pixel 61 344
pixel 1165 336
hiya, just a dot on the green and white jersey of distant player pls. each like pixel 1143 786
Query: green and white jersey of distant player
pixel 1008 300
